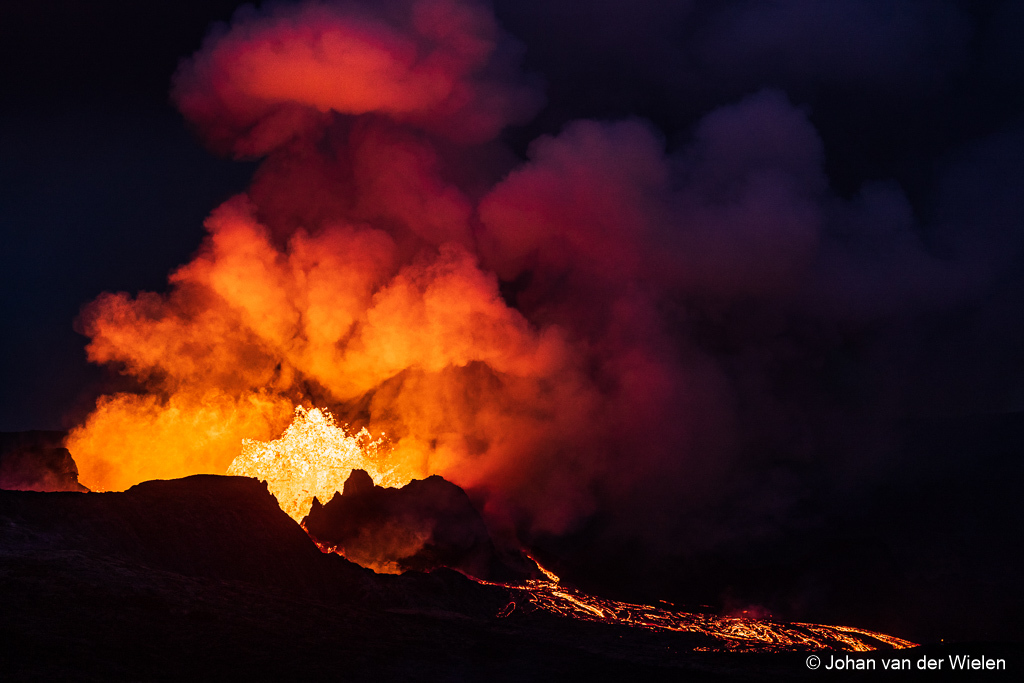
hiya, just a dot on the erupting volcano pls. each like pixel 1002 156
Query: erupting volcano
pixel 507 326
pixel 702 304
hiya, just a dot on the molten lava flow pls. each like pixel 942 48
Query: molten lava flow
pixel 726 633
pixel 314 457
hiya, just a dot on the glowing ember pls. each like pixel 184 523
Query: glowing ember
pixel 314 457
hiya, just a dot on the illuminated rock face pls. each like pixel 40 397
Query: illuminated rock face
pixel 424 525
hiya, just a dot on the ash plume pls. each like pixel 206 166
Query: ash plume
pixel 654 325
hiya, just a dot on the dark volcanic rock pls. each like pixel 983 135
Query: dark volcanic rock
pixel 205 578
pixel 227 528
pixel 37 461
pixel 425 525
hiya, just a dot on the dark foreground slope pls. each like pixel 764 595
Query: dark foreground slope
pixel 226 528
pixel 205 578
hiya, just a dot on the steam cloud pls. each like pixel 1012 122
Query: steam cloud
pixel 617 325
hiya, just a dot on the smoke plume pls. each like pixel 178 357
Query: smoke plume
pixel 621 324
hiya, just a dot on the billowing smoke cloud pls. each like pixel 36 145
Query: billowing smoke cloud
pixel 621 326
pixel 434 65
pixel 360 286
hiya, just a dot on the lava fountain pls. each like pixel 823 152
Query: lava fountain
pixel 313 458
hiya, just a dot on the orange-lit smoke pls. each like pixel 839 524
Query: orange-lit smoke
pixel 429 63
pixel 357 275
pixel 441 357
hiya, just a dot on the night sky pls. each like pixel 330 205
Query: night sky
pixel 103 186
pixel 858 374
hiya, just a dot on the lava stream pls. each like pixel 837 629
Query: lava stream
pixel 734 634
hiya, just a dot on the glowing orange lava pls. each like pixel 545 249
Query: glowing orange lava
pixel 314 457
pixel 726 633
